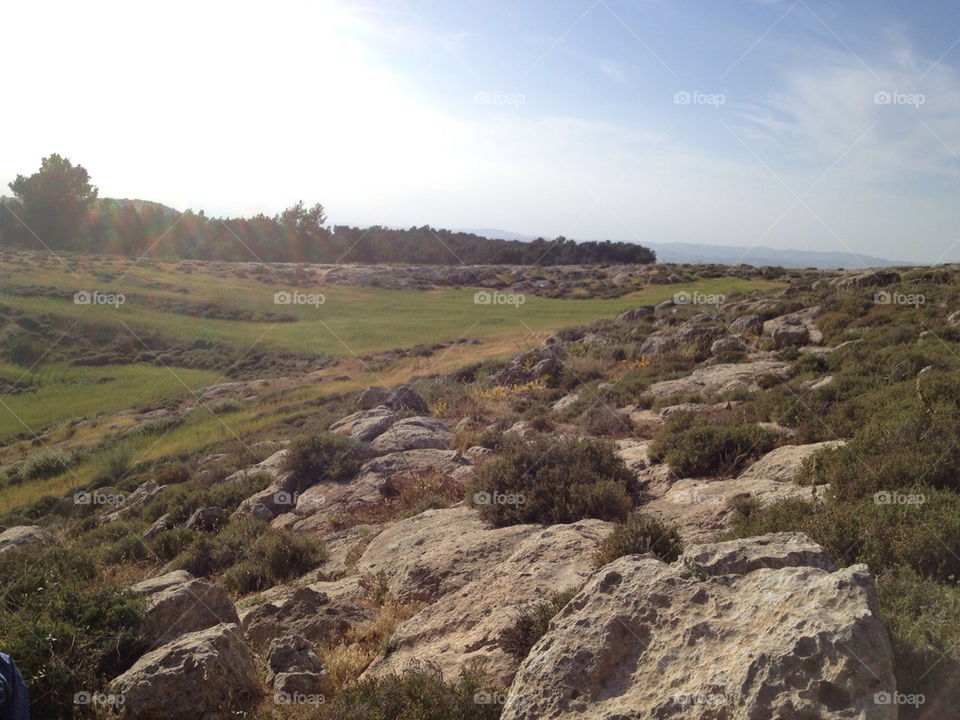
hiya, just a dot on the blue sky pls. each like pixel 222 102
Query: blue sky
pixel 812 125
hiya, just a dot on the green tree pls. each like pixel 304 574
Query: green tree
pixel 54 201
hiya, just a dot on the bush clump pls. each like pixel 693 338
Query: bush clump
pixel 326 456
pixel 552 481
pixel 695 446
pixel 532 623
pixel 640 534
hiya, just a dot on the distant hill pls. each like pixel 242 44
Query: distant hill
pixel 733 254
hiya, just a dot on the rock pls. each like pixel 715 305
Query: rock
pixel 870 278
pixel 318 612
pixel 721 378
pixel 657 344
pixel 772 551
pixel 403 399
pixel 794 329
pixel 161 524
pixel 534 365
pixel 366 425
pixel 136 500
pixel 414 433
pixel 438 551
pixel 179 603
pixel 783 464
pixel 953 319
pixel 208 672
pixel 727 345
pixel 208 519
pixel 371 397
pixel 293 666
pixel 20 535
pixel 565 402
pixel 634 314
pixel 747 325
pixel 644 639
pixel 634 453
pixel 469 624
pixel 784 335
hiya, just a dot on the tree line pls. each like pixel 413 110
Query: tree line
pixel 58 208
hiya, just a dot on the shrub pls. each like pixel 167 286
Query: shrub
pixel 421 693
pixel 43 465
pixel 640 534
pixel 113 465
pixel 532 623
pixel 327 456
pixel 694 446
pixel 552 481
pixel 276 556
pixel 64 634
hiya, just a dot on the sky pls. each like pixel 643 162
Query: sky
pixel 804 124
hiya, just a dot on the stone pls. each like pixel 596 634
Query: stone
pixel 208 519
pixel 413 433
pixel 404 399
pixel 207 672
pixel 770 631
pixel 293 666
pixel 179 603
pixel 747 325
pixel 366 425
pixel 728 344
pixel 371 397
pixel 21 535
pixel 721 378
pixel 635 314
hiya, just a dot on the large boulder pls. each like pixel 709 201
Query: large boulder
pixel 203 673
pixel 414 433
pixel 470 624
pixel 318 612
pixel 721 378
pixel 758 628
pixel 179 603
pixel 404 399
pixel 438 551
pixel 20 535
pixel 365 425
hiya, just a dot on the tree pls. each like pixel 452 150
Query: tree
pixel 54 201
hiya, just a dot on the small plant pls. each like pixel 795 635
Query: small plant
pixel 324 457
pixel 640 534
pixel 694 446
pixel 533 622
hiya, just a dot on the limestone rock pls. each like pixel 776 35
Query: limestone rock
pixel 414 433
pixel 20 535
pixel 365 425
pixel 179 603
pixel 644 639
pixel 721 378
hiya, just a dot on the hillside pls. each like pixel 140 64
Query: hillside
pixel 727 492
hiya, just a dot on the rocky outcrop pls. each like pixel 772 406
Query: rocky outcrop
pixel 870 278
pixel 371 397
pixel 757 628
pixel 721 378
pixel 136 500
pixel 438 551
pixel 293 666
pixel 365 425
pixel 794 329
pixel 179 603
pixel 469 624
pixel 208 519
pixel 208 672
pixel 318 612
pixel 21 535
pixel 747 325
pixel 414 433
pixel 404 399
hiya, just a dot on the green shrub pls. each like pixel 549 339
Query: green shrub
pixel 694 446
pixel 552 481
pixel 421 694
pixel 327 456
pixel 533 622
pixel 44 465
pixel 65 634
pixel 113 465
pixel 640 534
pixel 167 544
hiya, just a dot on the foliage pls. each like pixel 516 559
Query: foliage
pixel 695 446
pixel 533 622
pixel 640 534
pixel 323 457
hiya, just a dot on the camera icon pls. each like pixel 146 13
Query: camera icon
pixel 681 98
pixel 682 298
pixel 481 498
pixel 882 98
pixel 882 498
pixel 81 498
pixel 282 698
pixel 283 498
pixel 282 298
pixel 82 298
pixel 82 698
pixel 482 298
pixel 882 297
pixel 882 698
pixel 482 698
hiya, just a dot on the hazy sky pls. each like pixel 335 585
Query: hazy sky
pixel 814 124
